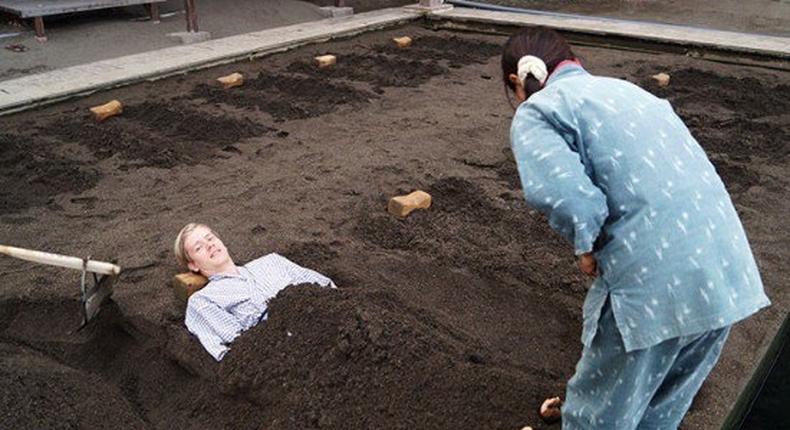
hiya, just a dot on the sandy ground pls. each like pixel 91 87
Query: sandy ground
pixel 465 315
pixel 110 33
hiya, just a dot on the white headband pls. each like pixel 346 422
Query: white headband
pixel 529 64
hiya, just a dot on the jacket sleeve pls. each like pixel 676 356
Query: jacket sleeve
pixel 554 179
pixel 213 326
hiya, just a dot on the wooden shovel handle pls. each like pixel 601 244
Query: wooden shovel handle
pixel 60 260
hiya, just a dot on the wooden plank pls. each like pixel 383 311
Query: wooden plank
pixel 774 46
pixel 30 9
pixel 49 87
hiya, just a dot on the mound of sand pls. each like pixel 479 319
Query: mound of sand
pixel 361 359
pixel 41 393
pixel 326 358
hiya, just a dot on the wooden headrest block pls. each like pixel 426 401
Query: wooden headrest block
pixel 403 205
pixel 185 284
pixel 324 61
pixel 232 80
pixel 102 112
pixel 402 42
pixel 662 79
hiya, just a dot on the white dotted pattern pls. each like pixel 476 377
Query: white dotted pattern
pixel 617 173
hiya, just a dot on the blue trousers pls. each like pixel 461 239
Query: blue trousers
pixel 649 388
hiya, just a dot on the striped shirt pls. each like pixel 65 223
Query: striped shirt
pixel 230 304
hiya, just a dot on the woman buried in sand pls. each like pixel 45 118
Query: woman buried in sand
pixel 235 299
pixel 618 174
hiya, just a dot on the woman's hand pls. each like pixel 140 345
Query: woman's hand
pixel 588 265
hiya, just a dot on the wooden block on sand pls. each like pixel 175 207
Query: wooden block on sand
pixel 403 205
pixel 662 79
pixel 102 112
pixel 402 42
pixel 185 284
pixel 324 61
pixel 232 80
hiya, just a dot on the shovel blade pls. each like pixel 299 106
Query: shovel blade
pixel 95 296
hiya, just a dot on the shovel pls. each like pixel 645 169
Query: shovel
pixel 92 295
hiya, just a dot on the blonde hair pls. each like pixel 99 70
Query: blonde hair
pixel 182 256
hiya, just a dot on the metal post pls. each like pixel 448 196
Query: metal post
pixel 38 23
pixel 191 14
pixel 153 11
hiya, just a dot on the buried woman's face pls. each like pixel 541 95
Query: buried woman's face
pixel 207 253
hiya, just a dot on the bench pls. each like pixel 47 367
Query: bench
pixel 39 9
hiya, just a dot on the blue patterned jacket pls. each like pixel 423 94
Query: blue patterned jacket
pixel 618 174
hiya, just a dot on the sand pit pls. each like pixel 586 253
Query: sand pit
pixel 465 315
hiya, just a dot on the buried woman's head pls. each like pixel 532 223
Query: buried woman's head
pixel 200 249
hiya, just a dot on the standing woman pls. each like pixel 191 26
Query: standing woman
pixel 618 174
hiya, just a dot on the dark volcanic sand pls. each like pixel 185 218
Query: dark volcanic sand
pixel 462 316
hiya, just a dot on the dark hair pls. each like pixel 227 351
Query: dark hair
pixel 541 42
